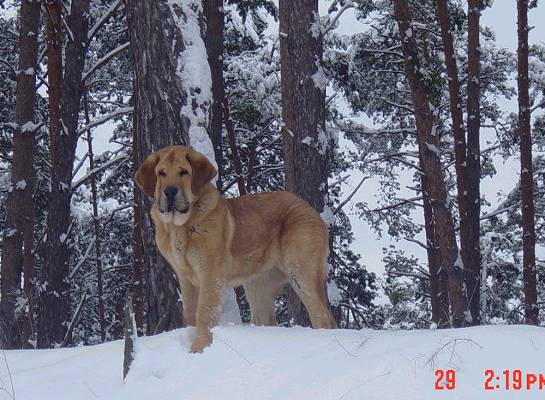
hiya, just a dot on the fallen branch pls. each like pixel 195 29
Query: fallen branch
pixel 74 321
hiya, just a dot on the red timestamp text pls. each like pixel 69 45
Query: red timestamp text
pixel 513 380
pixel 445 380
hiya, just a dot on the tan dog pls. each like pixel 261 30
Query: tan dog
pixel 261 241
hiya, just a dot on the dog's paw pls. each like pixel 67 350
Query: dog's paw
pixel 200 342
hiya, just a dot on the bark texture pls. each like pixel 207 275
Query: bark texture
pixel 156 42
pixel 467 172
pixel 138 300
pixel 430 163
pixel 214 20
pixel 438 290
pixel 17 256
pixel 526 170
pixel 54 71
pixel 54 300
pixel 303 104
pixel 472 252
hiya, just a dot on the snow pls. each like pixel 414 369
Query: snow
pixel 194 72
pixel 333 293
pixel 20 185
pixel 433 148
pixel 29 126
pixel 328 216
pixel 247 362
pixel 230 313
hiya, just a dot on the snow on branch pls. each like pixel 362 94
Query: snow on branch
pixel 83 259
pixel 103 19
pixel 96 170
pixel 104 60
pixel 333 22
pixel 345 201
pixel 74 321
pixel 106 118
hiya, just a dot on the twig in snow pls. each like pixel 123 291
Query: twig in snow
pixel 363 383
pixel 342 347
pixel 432 361
pixel 12 394
pixel 233 349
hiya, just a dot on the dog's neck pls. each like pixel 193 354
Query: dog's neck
pixel 205 204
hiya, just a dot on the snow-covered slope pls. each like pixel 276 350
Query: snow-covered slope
pixel 281 363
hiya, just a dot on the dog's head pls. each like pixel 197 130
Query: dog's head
pixel 174 177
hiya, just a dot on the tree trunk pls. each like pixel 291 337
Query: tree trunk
pixel 17 255
pixel 213 12
pixel 305 141
pixel 129 334
pixel 54 71
pixel 161 100
pixel 96 224
pixel 232 140
pixel 438 291
pixel 467 205
pixel 472 251
pixel 138 249
pixel 55 300
pixel 430 163
pixel 526 170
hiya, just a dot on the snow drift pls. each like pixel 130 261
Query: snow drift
pixel 247 362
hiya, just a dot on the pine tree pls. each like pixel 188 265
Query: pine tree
pixel 17 257
pixel 428 146
pixel 526 169
pixel 305 139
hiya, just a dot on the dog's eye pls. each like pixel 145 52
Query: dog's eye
pixel 162 173
pixel 183 172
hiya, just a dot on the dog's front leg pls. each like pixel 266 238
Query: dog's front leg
pixel 190 297
pixel 208 312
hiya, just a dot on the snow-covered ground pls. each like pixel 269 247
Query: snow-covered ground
pixel 285 363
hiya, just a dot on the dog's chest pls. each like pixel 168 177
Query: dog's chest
pixel 183 253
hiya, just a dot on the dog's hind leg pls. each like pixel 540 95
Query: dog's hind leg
pixel 305 265
pixel 261 293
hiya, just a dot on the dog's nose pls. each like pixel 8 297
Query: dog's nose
pixel 170 193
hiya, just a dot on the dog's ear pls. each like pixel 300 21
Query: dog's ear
pixel 202 171
pixel 145 175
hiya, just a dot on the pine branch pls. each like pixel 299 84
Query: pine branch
pixel 74 321
pixel 97 170
pixel 345 201
pixel 106 118
pixel 104 60
pixel 103 19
